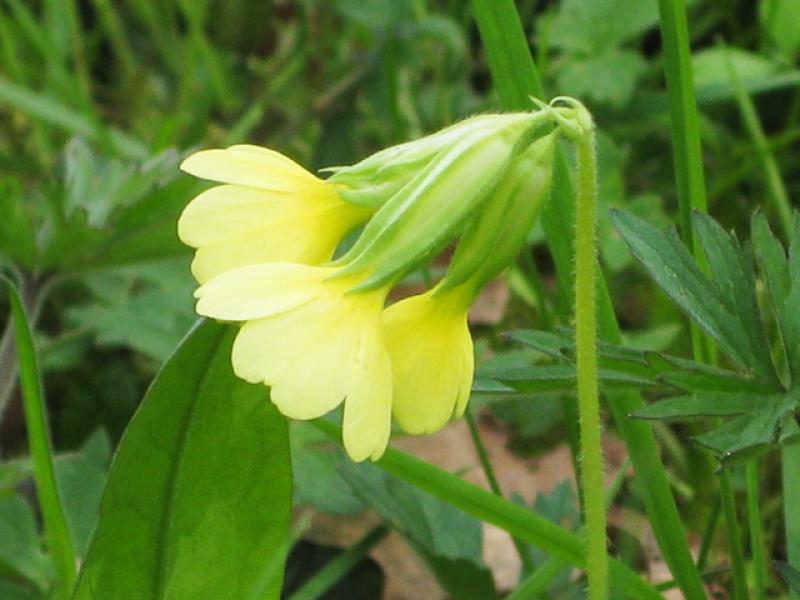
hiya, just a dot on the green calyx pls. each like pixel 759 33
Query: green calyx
pixel 437 203
pixel 492 241
pixel 378 177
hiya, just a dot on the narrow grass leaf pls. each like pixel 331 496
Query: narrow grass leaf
pixel 55 524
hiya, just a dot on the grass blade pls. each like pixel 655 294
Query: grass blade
pixel 775 186
pixel 50 110
pixel 55 523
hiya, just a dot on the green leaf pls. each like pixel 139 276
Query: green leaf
pixel 782 279
pixel 780 18
pixel 447 539
pixel 199 494
pixel 558 378
pixel 789 574
pixel 81 477
pixel 317 481
pixel 41 450
pixel 733 270
pixel 591 26
pixel 671 266
pixel 12 591
pixel 21 549
pixel 713 404
pixel 749 431
pixel 17 233
pixel 608 77
pixel 709 66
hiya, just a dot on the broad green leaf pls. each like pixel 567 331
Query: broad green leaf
pixel 713 404
pixel 21 549
pixel 199 494
pixel 449 541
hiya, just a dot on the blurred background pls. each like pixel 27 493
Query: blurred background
pixel 100 99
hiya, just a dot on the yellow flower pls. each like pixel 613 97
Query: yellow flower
pixel 270 210
pixel 313 341
pixel 432 358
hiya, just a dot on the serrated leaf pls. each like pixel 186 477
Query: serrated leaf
pixel 669 263
pixel 789 574
pixel 199 494
pixel 713 404
pixel 545 342
pixel 750 430
pixel 733 271
pixel 558 378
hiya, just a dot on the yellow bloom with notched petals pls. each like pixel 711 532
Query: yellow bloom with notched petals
pixel 313 341
pixel 269 210
pixel 431 350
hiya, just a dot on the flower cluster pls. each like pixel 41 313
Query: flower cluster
pixel 315 328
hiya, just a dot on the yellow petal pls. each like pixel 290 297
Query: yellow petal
pixel 233 226
pixel 308 374
pixel 431 353
pixel 258 291
pixel 252 166
pixel 367 420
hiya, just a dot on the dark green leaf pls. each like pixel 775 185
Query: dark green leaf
pixel 81 477
pixel 711 404
pixel 448 540
pixel 317 481
pixel 20 549
pixel 198 498
pixel 558 378
pixel 749 431
pixel 734 274
pixel 789 574
pixel 669 263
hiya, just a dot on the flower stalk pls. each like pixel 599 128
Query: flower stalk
pixel 591 456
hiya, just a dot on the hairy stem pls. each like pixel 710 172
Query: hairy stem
pixel 586 349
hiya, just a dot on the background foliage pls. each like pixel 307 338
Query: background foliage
pixel 99 100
